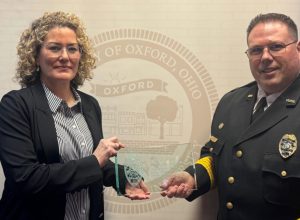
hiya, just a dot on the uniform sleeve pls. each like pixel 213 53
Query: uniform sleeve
pixel 203 173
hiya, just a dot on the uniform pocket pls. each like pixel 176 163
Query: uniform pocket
pixel 281 180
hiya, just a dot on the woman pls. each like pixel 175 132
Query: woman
pixel 52 150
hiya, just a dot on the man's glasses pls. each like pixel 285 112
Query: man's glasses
pixel 275 49
pixel 56 50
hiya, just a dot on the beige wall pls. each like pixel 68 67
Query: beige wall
pixel 191 52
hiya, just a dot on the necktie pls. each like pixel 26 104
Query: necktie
pixel 259 108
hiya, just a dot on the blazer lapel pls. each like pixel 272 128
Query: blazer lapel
pixel 92 119
pixel 277 112
pixel 45 124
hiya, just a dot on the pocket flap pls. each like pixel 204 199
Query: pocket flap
pixel 285 168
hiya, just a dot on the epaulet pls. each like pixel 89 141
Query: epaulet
pixel 249 85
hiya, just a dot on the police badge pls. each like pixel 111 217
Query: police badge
pixel 287 145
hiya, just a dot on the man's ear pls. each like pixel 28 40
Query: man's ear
pixel 298 46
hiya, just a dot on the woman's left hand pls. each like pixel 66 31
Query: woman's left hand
pixel 138 192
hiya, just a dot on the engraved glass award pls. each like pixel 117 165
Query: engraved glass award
pixel 153 164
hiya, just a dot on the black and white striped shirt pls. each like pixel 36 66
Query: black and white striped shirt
pixel 75 142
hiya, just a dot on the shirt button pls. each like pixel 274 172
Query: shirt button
pixel 231 179
pixel 211 149
pixel 229 205
pixel 283 173
pixel 239 153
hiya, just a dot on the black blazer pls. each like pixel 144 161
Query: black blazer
pixel 254 180
pixel 36 181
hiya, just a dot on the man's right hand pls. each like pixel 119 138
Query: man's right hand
pixel 180 185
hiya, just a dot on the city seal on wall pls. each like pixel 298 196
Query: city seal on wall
pixel 153 92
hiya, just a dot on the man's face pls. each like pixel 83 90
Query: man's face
pixel 274 71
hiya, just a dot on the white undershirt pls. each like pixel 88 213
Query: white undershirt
pixel 270 98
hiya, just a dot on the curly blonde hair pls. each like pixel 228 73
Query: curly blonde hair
pixel 32 38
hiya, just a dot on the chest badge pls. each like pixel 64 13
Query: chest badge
pixel 287 145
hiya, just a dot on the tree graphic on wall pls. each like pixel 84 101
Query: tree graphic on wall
pixel 163 109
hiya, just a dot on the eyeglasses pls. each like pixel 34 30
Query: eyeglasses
pixel 275 49
pixel 56 50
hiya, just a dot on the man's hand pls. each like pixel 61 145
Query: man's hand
pixel 180 185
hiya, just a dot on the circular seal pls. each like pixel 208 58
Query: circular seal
pixel 153 92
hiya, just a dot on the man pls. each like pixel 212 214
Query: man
pixel 252 156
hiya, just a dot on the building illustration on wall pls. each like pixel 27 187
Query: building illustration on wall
pixel 138 124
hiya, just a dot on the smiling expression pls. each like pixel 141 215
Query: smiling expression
pixel 59 67
pixel 274 73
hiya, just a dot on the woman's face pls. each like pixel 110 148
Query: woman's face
pixel 59 56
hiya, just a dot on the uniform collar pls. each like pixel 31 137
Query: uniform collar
pixel 270 98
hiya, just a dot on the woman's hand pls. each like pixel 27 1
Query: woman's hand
pixel 107 148
pixel 138 192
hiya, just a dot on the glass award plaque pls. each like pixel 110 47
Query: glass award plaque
pixel 153 164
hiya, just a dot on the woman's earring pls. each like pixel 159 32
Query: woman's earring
pixel 37 68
